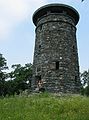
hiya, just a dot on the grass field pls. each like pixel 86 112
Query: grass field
pixel 44 107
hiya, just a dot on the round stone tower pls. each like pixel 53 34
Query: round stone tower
pixel 55 64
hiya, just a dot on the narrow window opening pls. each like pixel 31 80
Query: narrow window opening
pixel 57 65
pixel 75 78
pixel 73 48
pixel 39 46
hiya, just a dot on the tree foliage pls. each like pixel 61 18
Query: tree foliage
pixel 3 75
pixel 85 78
pixel 85 82
pixel 21 77
pixel 18 80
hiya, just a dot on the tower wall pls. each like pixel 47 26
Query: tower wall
pixel 55 61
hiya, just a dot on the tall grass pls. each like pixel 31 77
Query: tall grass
pixel 44 107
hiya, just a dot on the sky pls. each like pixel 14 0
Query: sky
pixel 17 31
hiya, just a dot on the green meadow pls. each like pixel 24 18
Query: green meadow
pixel 44 107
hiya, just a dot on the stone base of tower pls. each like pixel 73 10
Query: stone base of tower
pixel 53 86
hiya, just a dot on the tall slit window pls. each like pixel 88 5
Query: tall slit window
pixel 73 48
pixel 57 65
pixel 75 78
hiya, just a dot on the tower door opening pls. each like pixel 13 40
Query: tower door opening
pixel 39 83
pixel 38 78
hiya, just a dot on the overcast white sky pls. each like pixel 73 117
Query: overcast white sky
pixel 17 29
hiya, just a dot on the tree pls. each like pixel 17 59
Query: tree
pixel 21 77
pixel 3 75
pixel 85 78
pixel 85 82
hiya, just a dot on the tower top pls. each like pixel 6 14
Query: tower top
pixel 56 8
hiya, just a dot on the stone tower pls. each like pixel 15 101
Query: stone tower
pixel 55 64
